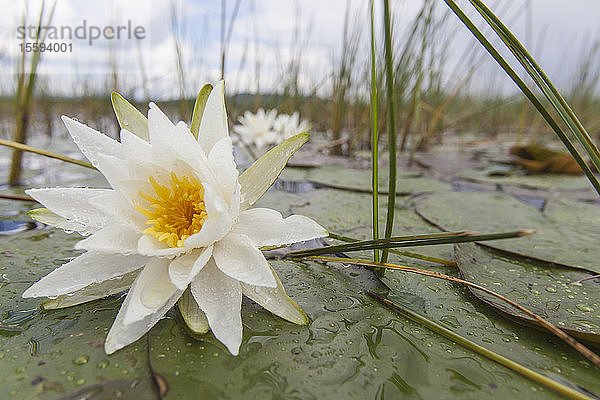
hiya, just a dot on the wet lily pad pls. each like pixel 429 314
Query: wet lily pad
pixel 456 308
pixel 555 294
pixel 546 181
pixel 47 354
pixel 359 180
pixel 353 348
pixel 567 234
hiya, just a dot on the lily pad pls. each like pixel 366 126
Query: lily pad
pixel 545 181
pixel 353 348
pixel 46 354
pixel 455 307
pixel 555 294
pixel 359 180
pixel 567 231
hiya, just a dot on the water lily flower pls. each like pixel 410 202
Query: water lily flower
pixel 257 129
pixel 289 125
pixel 178 218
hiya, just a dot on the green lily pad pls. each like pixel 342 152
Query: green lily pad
pixel 555 294
pixel 359 180
pixel 567 231
pixel 455 307
pixel 46 354
pixel 541 181
pixel 353 348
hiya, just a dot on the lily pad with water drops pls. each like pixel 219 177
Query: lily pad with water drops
pixel 353 348
pixel 567 231
pixel 48 354
pixel 456 308
pixel 560 295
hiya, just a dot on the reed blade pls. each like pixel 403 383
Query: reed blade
pixel 410 241
pixel 374 137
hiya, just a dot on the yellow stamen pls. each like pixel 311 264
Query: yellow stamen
pixel 175 212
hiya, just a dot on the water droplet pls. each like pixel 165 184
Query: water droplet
pixel 551 289
pixel 297 350
pixel 102 364
pixel 81 360
pixel 80 382
pixel 585 308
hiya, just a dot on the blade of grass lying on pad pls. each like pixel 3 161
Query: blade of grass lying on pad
pixel 410 241
pixel 508 363
pixel 582 349
pixel 405 253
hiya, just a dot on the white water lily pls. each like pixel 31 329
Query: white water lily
pixel 289 125
pixel 177 216
pixel 257 129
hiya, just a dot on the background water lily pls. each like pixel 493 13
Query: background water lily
pixel 179 214
pixel 265 128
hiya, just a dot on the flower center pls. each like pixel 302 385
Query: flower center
pixel 175 212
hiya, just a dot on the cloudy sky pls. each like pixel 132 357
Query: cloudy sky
pixel 266 37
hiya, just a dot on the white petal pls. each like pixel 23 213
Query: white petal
pixel 90 141
pixel 276 301
pixel 149 246
pixel 88 268
pixel 113 168
pixel 266 227
pixel 92 292
pixel 133 145
pixel 213 126
pixel 150 291
pixel 237 256
pixel 221 160
pixel 73 204
pixel 121 335
pixel 160 126
pixel 218 223
pixel 114 238
pixel 220 297
pixel 116 205
pixel 184 268
pixel 176 147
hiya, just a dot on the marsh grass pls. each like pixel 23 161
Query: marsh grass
pixel 26 80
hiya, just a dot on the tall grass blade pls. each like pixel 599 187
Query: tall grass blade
pixel 392 133
pixel 526 91
pixel 374 136
pixel 508 363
